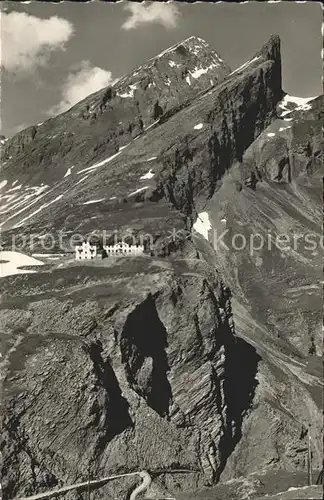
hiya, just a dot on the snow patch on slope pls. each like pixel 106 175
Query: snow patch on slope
pixel 127 94
pixel 16 188
pixel 31 194
pixel 170 49
pixel 138 190
pixel 68 172
pixel 245 65
pixel 93 201
pixel 148 175
pixel 82 179
pixel 197 72
pixel 45 205
pixel 284 128
pixel 300 104
pixel 15 260
pixel 101 163
pixel 203 224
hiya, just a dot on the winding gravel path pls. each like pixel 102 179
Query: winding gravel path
pixel 76 486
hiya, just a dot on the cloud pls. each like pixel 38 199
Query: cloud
pixel 79 84
pixel 155 12
pixel 27 41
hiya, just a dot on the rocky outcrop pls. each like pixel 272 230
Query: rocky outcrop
pixel 242 107
pixel 266 242
pixel 149 382
pixel 290 148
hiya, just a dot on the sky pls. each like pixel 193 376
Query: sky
pixel 54 55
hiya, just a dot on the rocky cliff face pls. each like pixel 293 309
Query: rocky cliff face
pixel 149 374
pixel 137 364
pixel 266 221
pixel 160 166
pixel 292 147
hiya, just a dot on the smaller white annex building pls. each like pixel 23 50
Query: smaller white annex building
pixel 123 248
pixel 88 251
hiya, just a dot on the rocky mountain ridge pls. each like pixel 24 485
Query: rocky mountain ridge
pixel 110 118
pixel 214 129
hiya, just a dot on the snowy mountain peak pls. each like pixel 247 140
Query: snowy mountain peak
pixel 192 46
pixel 188 42
pixel 176 76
